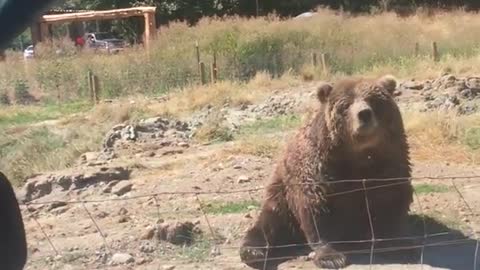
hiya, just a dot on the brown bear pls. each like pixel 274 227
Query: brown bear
pixel 13 244
pixel 317 197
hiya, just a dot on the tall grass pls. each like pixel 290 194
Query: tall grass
pixel 354 44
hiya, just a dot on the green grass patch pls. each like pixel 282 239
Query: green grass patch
pixel 271 125
pixel 39 149
pixel 199 251
pixel 471 138
pixel 430 188
pixel 24 115
pixel 222 208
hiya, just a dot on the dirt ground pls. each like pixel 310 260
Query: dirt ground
pixel 220 190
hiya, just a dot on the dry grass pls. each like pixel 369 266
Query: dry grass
pixel 245 47
pixel 184 101
pixel 256 145
pixel 443 137
pixel 250 53
pixel 28 148
pixel 214 130
pixel 433 136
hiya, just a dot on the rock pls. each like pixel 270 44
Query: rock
pixel 148 234
pixel 243 179
pixel 108 188
pixel 56 205
pixel 112 136
pixel 59 211
pixel 128 133
pixel 467 94
pixel 72 179
pixel 88 157
pixel 473 83
pixel 237 166
pixel 121 258
pixel 122 211
pixel 215 251
pixel 122 188
pixel 413 85
pixel 102 214
pixel 37 187
pixel 147 247
pixel 468 108
pixel 141 261
pixel 168 267
pixel 123 219
pixel 102 174
pixel 177 233
pixel 311 256
pixel 183 144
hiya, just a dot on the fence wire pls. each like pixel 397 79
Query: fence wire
pixel 213 239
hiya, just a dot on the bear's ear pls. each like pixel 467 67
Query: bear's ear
pixel 388 82
pixel 323 91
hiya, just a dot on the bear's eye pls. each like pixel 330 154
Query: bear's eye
pixel 377 103
pixel 342 107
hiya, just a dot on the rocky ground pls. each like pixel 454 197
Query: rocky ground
pixel 155 198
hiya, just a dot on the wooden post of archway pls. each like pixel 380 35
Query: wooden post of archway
pixel 150 29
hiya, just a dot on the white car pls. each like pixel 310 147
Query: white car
pixel 28 52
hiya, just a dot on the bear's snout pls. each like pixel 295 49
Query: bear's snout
pixel 363 117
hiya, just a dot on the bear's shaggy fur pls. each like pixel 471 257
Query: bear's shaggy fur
pixel 356 133
pixel 13 244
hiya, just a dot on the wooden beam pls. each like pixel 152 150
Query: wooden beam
pixel 150 29
pixel 35 32
pixel 97 15
pixel 44 32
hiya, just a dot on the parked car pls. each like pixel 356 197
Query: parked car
pixel 104 41
pixel 29 52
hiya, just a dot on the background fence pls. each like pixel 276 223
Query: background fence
pixel 68 77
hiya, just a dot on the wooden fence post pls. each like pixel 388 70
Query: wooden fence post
pixel 435 55
pixel 213 70
pixel 314 59
pixel 90 84
pixel 202 73
pixel 197 52
pixel 275 67
pixel 96 89
pixel 93 86
pixel 323 58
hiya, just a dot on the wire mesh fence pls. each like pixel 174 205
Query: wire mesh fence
pixel 429 234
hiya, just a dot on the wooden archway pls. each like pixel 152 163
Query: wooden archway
pixel 40 29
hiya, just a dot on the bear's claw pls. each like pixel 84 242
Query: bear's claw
pixel 328 258
pixel 253 257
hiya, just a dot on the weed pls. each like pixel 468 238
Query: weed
pixel 222 208
pixel 271 125
pixel 256 145
pixel 214 130
pixel 199 251
pixel 431 188
pixel 22 115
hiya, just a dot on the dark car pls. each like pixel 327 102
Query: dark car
pixel 104 41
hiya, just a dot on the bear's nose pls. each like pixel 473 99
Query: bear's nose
pixel 365 115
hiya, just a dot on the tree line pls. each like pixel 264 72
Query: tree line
pixel 192 10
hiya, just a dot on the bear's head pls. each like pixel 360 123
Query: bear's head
pixel 361 114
